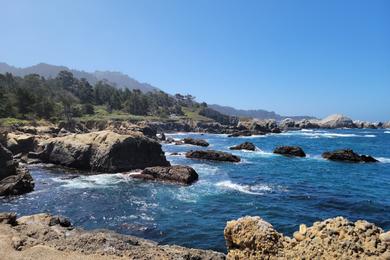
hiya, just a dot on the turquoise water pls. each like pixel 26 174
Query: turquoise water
pixel 284 191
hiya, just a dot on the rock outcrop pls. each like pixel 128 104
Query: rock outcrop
pixel 213 155
pixel 348 155
pixel 103 151
pixel 14 179
pixel 43 236
pixel 337 238
pixel 290 151
pixel 337 121
pixel 20 143
pixel 177 174
pixel 198 142
pixel 244 146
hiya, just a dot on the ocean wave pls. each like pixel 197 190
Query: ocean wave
pixel 95 181
pixel 323 134
pixel 387 132
pixel 257 189
pixel 383 159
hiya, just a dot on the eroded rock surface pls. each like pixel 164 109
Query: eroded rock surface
pixel 336 238
pixel 43 236
pixel 103 151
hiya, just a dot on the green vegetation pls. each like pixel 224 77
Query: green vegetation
pixel 65 97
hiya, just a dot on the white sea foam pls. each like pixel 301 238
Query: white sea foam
pixel 383 159
pixel 369 135
pixel 387 132
pixel 95 181
pixel 248 189
pixel 322 134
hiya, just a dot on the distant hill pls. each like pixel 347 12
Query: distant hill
pixel 117 79
pixel 254 113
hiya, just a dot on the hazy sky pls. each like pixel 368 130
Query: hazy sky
pixel 294 57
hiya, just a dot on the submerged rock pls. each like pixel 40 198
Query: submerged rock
pixel 14 179
pixel 103 151
pixel 244 146
pixel 178 173
pixel 348 155
pixel 43 236
pixel 290 151
pixel 337 238
pixel 213 155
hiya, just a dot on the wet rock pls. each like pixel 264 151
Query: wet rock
pixel 240 133
pixel 103 151
pixel 178 174
pixel 290 151
pixel 337 238
pixel 198 142
pixel 36 233
pixel 244 146
pixel 348 155
pixel 213 155
pixel 14 179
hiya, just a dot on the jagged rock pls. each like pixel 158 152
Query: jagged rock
pixel 20 143
pixel 103 151
pixel 290 151
pixel 8 218
pixel 386 124
pixel 198 142
pixel 308 124
pixel 35 237
pixel 287 124
pixel 337 121
pixel 213 155
pixel 348 155
pixel 14 180
pixel 17 184
pixel 244 146
pixel 161 137
pixel 179 174
pixel 337 238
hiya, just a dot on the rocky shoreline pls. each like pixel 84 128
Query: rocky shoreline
pixel 43 236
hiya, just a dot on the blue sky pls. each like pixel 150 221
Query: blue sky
pixel 292 56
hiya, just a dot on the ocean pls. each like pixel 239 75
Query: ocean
pixel 284 191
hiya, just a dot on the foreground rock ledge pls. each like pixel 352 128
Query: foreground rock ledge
pixel 43 236
pixel 177 174
pixel 336 238
pixel 103 151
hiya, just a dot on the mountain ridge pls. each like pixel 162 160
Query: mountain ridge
pixel 119 79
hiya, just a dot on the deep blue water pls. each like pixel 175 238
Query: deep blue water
pixel 284 191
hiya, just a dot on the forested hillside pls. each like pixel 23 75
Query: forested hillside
pixel 65 97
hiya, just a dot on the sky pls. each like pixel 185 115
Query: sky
pixel 294 57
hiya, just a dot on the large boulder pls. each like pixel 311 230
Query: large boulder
pixel 244 146
pixel 14 180
pixel 290 151
pixel 20 143
pixel 336 238
pixel 308 124
pixel 178 174
pixel 386 124
pixel 103 151
pixel 198 142
pixel 213 155
pixel 337 121
pixel 348 155
pixel 43 236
